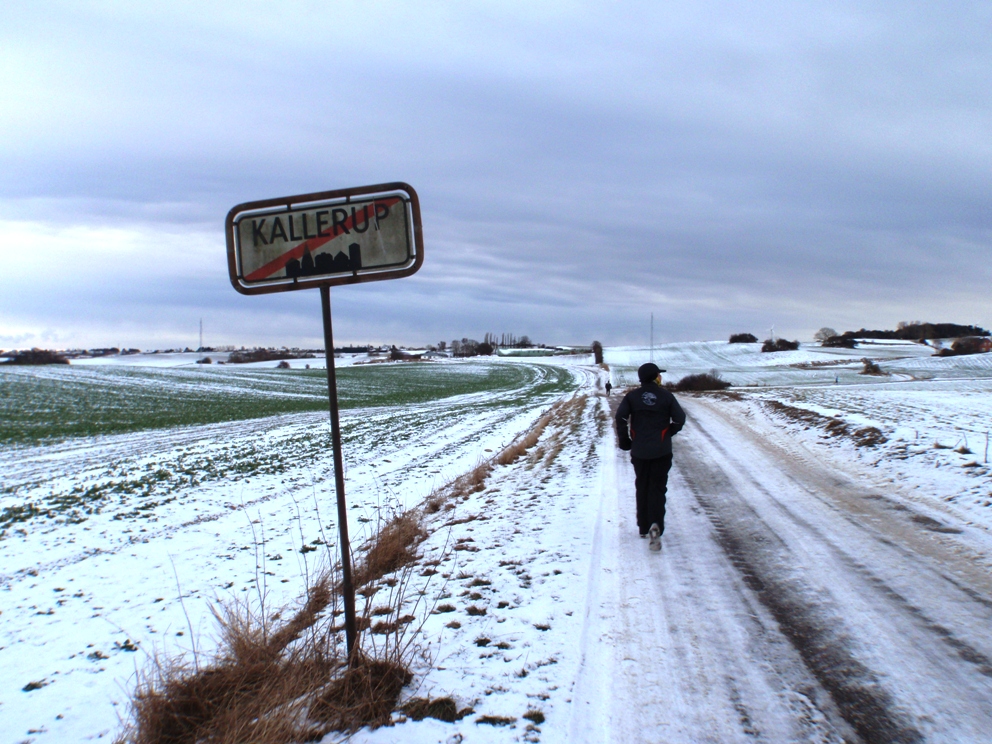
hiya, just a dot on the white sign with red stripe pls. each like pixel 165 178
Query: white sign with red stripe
pixel 347 236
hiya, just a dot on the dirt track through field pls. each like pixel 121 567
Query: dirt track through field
pixel 790 603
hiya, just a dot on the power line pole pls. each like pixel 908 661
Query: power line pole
pixel 201 333
pixel 652 338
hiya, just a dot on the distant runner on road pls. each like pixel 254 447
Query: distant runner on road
pixel 647 419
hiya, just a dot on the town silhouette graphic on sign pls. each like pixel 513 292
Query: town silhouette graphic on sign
pixel 325 263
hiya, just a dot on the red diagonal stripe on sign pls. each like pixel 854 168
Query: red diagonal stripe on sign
pixel 312 243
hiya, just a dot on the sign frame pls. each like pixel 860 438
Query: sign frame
pixel 337 197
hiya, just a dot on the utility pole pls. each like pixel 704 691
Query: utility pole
pixel 652 338
pixel 201 333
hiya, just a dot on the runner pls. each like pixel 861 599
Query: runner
pixel 647 419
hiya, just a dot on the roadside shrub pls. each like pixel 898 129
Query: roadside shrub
pixel 969 345
pixel 841 342
pixel 36 356
pixel 870 368
pixel 283 365
pixel 743 338
pixel 698 382
pixel 597 352
pixel 779 344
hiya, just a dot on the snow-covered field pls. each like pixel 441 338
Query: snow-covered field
pixel 787 533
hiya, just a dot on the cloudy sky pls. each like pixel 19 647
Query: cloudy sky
pixel 726 166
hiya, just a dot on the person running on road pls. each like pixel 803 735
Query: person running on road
pixel 609 387
pixel 647 419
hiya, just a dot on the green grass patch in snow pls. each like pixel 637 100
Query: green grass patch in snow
pixel 39 403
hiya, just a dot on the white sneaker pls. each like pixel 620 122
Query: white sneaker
pixel 655 534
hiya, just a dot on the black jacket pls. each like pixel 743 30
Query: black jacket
pixel 654 417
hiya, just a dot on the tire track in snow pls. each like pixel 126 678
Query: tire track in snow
pixel 874 649
pixel 675 648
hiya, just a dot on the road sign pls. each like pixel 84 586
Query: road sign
pixel 362 234
pixel 348 236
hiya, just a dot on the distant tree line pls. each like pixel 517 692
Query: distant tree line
pixel 468 347
pixel 267 355
pixel 35 356
pixel 917 330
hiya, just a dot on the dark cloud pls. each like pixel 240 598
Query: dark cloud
pixel 727 167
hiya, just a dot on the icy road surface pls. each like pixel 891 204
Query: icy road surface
pixel 791 602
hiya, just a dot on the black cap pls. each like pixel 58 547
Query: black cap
pixel 648 372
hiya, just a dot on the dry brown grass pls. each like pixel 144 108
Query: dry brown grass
pixel 251 691
pixel 391 548
pixel 365 695
pixel 273 682
pixel 512 452
pixel 443 709
pixel 473 481
pixel 867 436
pixel 561 412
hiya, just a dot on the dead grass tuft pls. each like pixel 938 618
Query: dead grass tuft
pixel 443 709
pixel 496 720
pixel 868 436
pixel 274 682
pixel 252 691
pixel 836 427
pixel 535 716
pixel 364 695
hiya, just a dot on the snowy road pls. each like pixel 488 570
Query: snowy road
pixel 791 603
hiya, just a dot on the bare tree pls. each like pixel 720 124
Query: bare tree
pixel 824 333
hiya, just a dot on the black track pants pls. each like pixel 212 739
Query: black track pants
pixel 651 484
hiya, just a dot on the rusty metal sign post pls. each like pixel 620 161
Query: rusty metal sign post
pixel 348 236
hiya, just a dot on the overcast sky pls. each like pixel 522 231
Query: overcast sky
pixel 727 166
